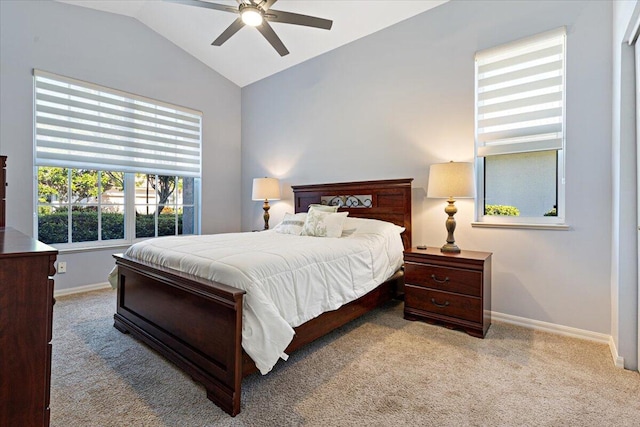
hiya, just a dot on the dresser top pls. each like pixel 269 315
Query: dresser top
pixel 14 243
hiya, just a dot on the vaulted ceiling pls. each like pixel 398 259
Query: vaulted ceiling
pixel 247 56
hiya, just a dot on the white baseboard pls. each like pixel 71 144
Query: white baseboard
pixel 552 327
pixel 617 359
pixel 562 330
pixel 80 289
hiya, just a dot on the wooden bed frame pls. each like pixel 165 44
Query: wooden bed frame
pixel 197 323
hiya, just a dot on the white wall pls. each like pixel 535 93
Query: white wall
pixel 392 103
pixel 121 53
pixel 624 254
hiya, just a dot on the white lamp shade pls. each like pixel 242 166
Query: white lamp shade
pixel 453 179
pixel 266 189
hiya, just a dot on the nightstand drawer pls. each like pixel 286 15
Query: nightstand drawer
pixel 444 278
pixel 443 303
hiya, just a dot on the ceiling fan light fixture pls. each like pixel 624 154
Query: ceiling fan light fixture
pixel 251 15
pixel 258 14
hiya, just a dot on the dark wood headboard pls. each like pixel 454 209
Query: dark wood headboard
pixel 390 200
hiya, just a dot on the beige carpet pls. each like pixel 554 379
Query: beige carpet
pixel 379 370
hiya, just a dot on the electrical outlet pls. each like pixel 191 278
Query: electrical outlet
pixel 62 267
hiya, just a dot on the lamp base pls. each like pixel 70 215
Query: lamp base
pixel 265 206
pixel 450 248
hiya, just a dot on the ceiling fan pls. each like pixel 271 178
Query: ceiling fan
pixel 257 13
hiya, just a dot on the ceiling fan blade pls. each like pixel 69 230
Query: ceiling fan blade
pixel 297 19
pixel 271 36
pixel 206 5
pixel 231 30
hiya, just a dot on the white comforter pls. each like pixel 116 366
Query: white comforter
pixel 289 279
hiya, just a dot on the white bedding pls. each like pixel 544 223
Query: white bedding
pixel 289 279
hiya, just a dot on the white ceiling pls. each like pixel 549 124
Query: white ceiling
pixel 247 56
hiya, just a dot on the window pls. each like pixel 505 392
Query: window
pixel 73 205
pixel 165 205
pixel 520 136
pixel 112 167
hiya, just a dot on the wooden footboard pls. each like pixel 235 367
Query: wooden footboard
pixel 197 324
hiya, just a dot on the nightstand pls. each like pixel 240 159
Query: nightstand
pixel 449 289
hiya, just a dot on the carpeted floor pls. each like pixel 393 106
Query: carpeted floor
pixel 379 370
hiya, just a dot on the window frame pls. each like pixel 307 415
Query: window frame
pixel 543 222
pixel 550 222
pixel 129 216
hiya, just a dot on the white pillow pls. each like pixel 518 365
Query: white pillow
pixel 291 224
pixel 324 208
pixel 323 224
pixel 367 226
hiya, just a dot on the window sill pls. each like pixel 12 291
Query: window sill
pixel 91 248
pixel 558 227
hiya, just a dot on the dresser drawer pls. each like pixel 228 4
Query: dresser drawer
pixel 443 303
pixel 444 278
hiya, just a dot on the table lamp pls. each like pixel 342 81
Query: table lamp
pixel 453 180
pixel 266 189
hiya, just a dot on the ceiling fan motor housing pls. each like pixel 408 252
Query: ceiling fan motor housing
pixel 251 15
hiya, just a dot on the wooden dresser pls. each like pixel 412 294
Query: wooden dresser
pixel 26 309
pixel 451 289
pixel 3 191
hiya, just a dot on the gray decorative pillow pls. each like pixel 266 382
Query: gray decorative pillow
pixel 323 224
pixel 291 224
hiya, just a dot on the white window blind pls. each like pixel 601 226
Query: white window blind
pixel 83 125
pixel 520 95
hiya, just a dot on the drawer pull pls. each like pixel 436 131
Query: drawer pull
pixel 433 301
pixel 435 279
